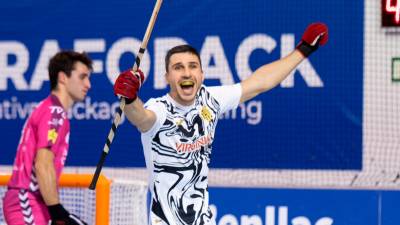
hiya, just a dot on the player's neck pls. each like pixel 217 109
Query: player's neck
pixel 178 102
pixel 65 100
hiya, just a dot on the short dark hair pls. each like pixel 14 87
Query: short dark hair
pixel 180 49
pixel 65 61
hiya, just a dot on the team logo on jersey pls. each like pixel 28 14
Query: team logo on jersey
pixel 179 121
pixel 58 110
pixel 52 135
pixel 206 114
pixel 195 146
pixel 56 122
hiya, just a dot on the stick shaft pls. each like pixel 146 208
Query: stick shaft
pixel 147 34
pixel 118 114
pixel 107 145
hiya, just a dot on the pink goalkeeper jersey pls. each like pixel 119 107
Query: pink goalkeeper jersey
pixel 47 127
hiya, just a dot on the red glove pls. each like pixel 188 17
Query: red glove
pixel 315 35
pixel 128 84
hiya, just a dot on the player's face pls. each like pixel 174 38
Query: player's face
pixel 78 84
pixel 185 77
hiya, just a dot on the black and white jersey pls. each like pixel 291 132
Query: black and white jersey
pixel 177 150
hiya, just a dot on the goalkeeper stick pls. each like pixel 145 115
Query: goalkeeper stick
pixel 118 114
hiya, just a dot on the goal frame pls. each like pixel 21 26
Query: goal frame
pixel 102 191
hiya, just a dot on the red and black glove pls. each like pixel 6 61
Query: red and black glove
pixel 316 34
pixel 128 84
pixel 60 216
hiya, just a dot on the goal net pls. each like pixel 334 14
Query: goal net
pixel 113 202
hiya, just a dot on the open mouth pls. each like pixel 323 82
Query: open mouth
pixel 186 85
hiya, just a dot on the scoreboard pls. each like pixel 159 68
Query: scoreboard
pixel 390 13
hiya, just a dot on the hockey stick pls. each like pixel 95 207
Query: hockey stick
pixel 118 114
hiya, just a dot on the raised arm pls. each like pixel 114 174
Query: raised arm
pixel 270 75
pixel 127 85
pixel 142 118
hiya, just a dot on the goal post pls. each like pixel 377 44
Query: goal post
pixel 102 193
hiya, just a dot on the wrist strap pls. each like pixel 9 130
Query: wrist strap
pixel 129 101
pixel 305 48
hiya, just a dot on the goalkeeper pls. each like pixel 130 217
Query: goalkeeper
pixel 32 195
pixel 178 128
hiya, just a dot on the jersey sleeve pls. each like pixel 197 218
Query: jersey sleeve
pixel 48 127
pixel 159 109
pixel 228 96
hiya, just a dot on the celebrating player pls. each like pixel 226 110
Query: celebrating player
pixel 178 128
pixel 32 195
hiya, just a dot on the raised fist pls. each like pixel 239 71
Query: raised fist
pixel 128 84
pixel 316 34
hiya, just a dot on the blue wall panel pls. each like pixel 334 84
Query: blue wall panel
pixel 301 127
